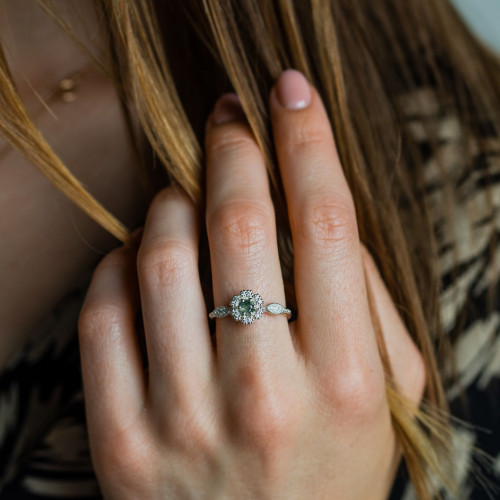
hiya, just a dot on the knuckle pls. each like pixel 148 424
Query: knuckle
pixel 327 220
pixel 356 394
pixel 97 317
pixel 267 417
pixel 269 424
pixel 243 228
pixel 193 435
pixel 234 140
pixel 308 138
pixel 165 262
pixel 190 426
pixel 101 311
pixel 126 456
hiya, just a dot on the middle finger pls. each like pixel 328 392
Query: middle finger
pixel 243 246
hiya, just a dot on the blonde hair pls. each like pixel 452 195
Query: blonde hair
pixel 360 56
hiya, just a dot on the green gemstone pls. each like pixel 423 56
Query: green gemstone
pixel 245 306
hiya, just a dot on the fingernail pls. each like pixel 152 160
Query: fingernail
pixel 293 90
pixel 228 109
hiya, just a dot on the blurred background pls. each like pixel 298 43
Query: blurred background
pixel 484 18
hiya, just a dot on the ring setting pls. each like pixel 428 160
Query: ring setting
pixel 248 307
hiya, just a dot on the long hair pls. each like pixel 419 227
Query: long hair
pixel 172 60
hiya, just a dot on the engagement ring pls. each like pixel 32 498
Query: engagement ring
pixel 247 307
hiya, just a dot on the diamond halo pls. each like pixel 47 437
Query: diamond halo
pixel 247 307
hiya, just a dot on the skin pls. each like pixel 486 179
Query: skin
pixel 47 243
pixel 275 410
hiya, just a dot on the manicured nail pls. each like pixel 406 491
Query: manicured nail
pixel 293 90
pixel 228 109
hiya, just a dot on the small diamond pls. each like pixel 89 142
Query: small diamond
pixel 275 308
pixel 221 311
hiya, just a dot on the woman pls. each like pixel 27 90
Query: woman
pixel 358 191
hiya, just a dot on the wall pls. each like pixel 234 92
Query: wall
pixel 484 18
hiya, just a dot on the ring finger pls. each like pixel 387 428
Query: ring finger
pixel 242 237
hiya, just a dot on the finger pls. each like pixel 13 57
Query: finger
pixel 242 236
pixel 405 360
pixel 333 315
pixel 113 377
pixel 174 312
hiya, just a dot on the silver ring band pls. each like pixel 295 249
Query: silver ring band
pixel 248 307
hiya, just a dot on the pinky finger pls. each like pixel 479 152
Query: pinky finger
pixel 112 369
pixel 405 360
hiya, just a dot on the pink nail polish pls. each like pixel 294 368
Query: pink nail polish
pixel 293 90
pixel 228 109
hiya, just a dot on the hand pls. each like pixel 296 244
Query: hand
pixel 280 410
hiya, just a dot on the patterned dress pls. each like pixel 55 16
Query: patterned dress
pixel 43 443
